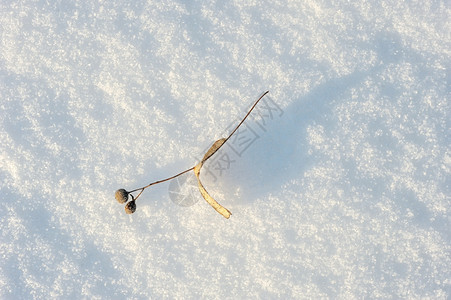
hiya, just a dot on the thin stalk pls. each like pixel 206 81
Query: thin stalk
pixel 241 123
pixel 248 113
pixel 159 181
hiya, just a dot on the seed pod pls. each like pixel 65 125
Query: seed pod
pixel 121 196
pixel 130 207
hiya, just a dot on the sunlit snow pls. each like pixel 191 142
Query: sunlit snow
pixel 339 184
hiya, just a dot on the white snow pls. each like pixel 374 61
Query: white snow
pixel 340 190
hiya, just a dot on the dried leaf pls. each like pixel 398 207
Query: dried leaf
pixel 218 207
pixel 213 149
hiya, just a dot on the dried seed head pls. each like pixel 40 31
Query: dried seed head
pixel 130 207
pixel 121 196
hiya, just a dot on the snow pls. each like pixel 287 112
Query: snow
pixel 340 187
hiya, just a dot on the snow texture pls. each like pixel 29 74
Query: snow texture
pixel 339 184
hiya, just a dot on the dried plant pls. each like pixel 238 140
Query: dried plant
pixel 130 207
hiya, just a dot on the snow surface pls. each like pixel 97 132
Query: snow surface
pixel 343 193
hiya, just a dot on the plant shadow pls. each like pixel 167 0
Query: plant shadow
pixel 280 153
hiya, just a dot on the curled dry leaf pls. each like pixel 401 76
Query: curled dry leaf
pixel 218 207
pixel 213 149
